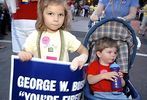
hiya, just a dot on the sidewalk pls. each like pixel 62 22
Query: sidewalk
pixel 80 24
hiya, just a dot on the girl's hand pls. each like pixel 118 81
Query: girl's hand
pixel 25 56
pixel 110 76
pixel 78 62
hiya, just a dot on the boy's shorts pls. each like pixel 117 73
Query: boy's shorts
pixel 110 96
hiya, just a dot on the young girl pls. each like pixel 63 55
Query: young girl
pixel 50 40
pixel 99 74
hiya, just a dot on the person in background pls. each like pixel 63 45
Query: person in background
pixel 86 10
pixel 1 19
pixel 99 75
pixel 143 26
pixel 24 15
pixel 126 9
pixel 51 40
pixel 1 24
pixel 72 8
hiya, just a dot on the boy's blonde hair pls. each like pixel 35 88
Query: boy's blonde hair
pixel 105 42
pixel 42 4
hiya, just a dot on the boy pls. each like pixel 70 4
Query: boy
pixel 99 75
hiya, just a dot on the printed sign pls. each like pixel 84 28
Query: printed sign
pixel 44 80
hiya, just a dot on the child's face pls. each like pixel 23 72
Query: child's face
pixel 54 17
pixel 107 56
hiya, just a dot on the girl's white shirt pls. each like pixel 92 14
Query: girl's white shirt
pixel 50 45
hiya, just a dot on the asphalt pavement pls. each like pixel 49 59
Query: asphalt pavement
pixel 79 29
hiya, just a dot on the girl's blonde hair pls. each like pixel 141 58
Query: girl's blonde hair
pixel 42 4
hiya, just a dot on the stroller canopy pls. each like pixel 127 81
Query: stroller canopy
pixel 116 29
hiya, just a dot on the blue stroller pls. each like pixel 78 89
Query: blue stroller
pixel 121 31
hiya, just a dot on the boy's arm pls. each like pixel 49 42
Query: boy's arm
pixel 92 79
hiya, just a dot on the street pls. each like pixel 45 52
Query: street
pixel 79 29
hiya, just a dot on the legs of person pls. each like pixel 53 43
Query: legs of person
pixel 1 35
pixel 72 15
pixel 8 21
pixel 143 25
pixel 3 27
pixel 83 12
pixel 86 13
pixel 20 31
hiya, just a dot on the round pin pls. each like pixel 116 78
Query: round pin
pixel 45 40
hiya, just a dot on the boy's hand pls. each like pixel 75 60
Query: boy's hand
pixel 110 75
pixel 120 74
pixel 24 56
pixel 78 62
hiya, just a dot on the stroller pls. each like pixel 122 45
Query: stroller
pixel 121 31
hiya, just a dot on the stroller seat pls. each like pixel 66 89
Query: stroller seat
pixel 121 31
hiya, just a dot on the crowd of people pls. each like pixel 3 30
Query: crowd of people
pixel 84 10
pixel 5 25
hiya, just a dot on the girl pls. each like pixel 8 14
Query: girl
pixel 51 40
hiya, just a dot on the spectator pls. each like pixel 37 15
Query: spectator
pixel 86 10
pixel 24 16
pixel 126 9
